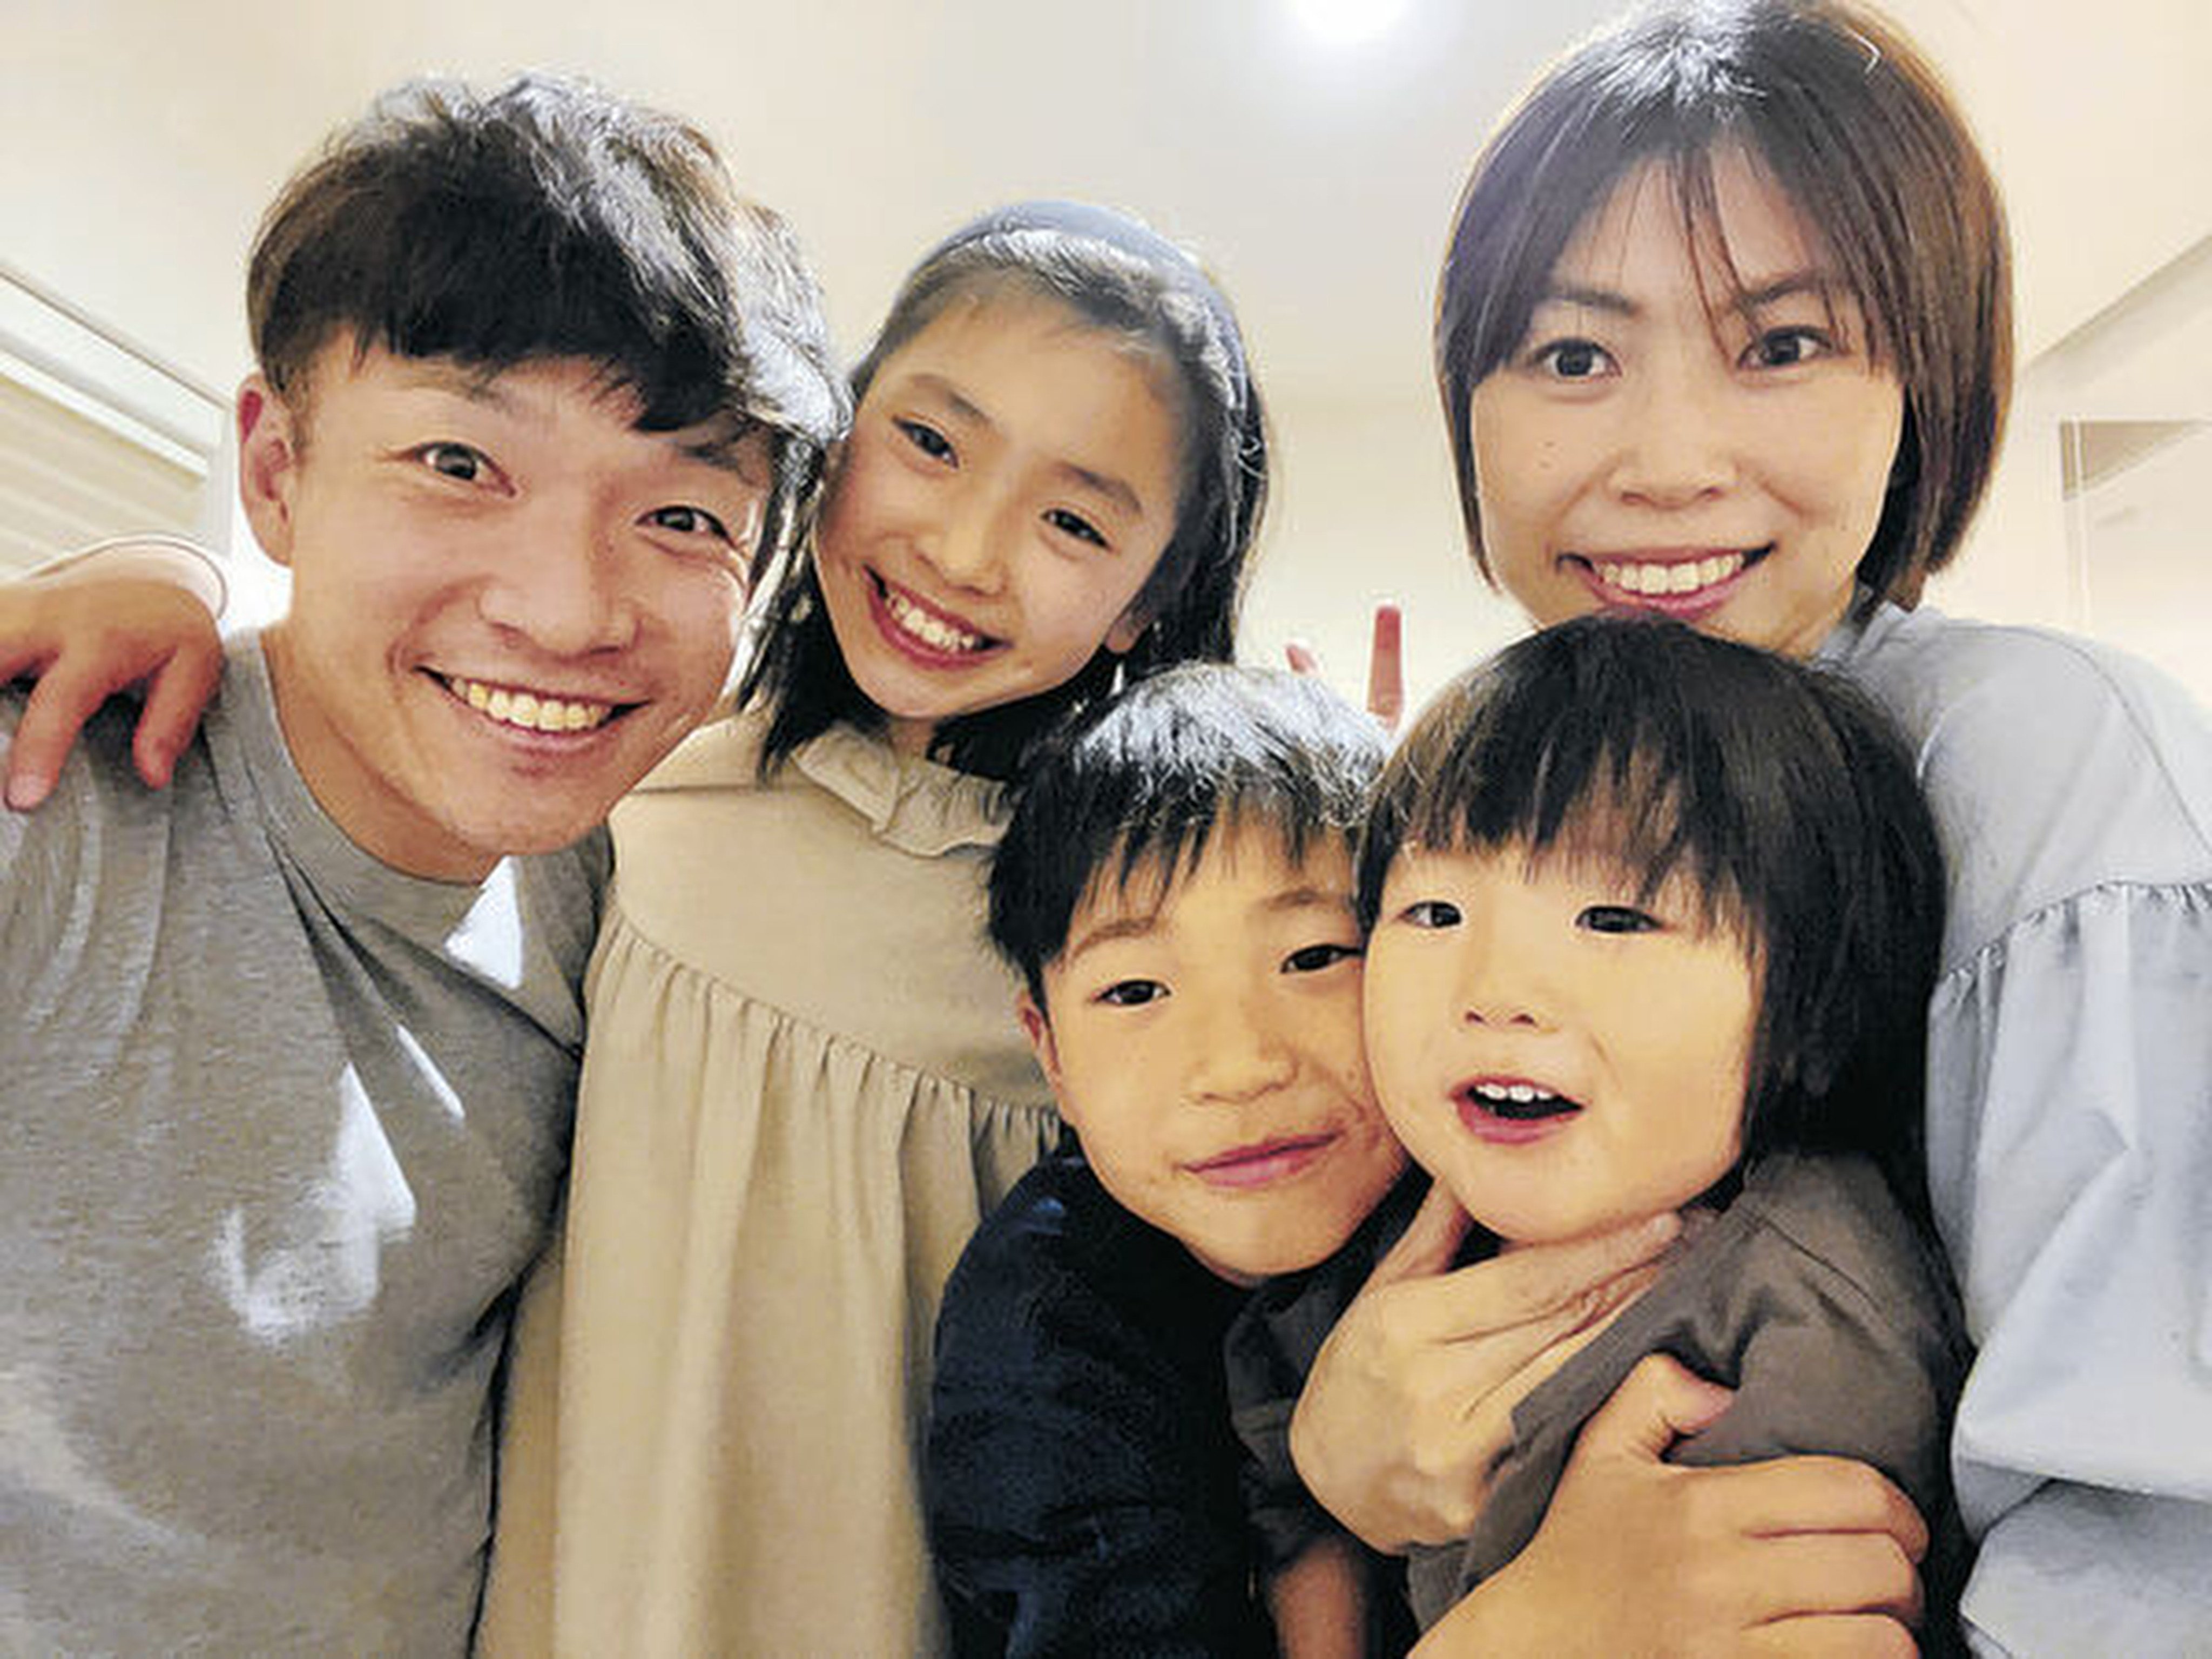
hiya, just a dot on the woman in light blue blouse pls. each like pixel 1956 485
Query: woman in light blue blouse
pixel 1723 333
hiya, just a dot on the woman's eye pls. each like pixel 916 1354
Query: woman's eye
pixel 1617 919
pixel 1132 993
pixel 926 438
pixel 1786 348
pixel 1314 958
pixel 1431 912
pixel 1075 525
pixel 688 521
pixel 1574 360
pixel 454 460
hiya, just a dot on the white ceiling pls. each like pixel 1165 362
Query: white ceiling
pixel 138 138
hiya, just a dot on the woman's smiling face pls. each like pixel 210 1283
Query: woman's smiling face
pixel 1012 477
pixel 1693 425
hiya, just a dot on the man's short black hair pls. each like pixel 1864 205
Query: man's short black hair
pixel 1140 781
pixel 1779 791
pixel 549 219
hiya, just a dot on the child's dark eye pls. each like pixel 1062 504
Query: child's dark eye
pixel 926 438
pixel 1431 913
pixel 1314 958
pixel 1617 919
pixel 1075 525
pixel 454 460
pixel 1132 993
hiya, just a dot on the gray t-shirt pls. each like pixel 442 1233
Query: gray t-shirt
pixel 280 1128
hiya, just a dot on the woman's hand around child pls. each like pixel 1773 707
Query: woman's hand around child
pixel 1801 1556
pixel 1444 1356
pixel 86 634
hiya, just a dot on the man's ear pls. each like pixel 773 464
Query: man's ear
pixel 1037 1027
pixel 268 465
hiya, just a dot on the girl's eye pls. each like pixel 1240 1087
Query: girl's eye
pixel 1617 919
pixel 454 460
pixel 1075 525
pixel 1431 912
pixel 1132 993
pixel 1786 348
pixel 1314 958
pixel 1574 360
pixel 688 521
pixel 926 438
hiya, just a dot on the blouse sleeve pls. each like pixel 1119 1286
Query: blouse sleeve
pixel 2070 1110
pixel 2076 1199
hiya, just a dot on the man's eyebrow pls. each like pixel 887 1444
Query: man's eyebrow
pixel 729 447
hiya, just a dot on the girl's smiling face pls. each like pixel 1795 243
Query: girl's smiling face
pixel 1692 428
pixel 1012 476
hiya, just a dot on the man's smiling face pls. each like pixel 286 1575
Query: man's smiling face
pixel 508 602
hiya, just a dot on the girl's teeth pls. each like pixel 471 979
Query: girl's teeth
pixel 529 710
pixel 930 628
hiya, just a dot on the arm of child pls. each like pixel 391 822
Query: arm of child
pixel 1637 1554
pixel 1319 1602
pixel 88 625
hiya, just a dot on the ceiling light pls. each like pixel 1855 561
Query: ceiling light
pixel 1348 22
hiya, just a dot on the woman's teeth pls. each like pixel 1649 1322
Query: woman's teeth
pixel 531 710
pixel 1678 576
pixel 926 626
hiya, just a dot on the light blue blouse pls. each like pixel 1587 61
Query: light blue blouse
pixel 2070 1119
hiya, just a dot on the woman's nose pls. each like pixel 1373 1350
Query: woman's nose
pixel 1680 446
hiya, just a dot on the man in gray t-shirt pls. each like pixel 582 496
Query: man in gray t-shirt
pixel 287 1049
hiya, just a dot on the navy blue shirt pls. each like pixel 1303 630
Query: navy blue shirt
pixel 1082 1471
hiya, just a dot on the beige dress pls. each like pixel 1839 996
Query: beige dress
pixel 804 1086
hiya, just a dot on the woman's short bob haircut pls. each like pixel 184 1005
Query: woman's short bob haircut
pixel 1775 790
pixel 1119 276
pixel 1858 131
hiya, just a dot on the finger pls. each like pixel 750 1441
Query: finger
pixel 1301 658
pixel 1787 1496
pixel 177 692
pixel 1656 1404
pixel 1429 1243
pixel 24 659
pixel 1837 1573
pixel 58 706
pixel 1569 1340
pixel 1833 1635
pixel 1386 667
pixel 1541 1279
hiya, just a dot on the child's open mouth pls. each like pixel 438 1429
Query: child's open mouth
pixel 1503 1110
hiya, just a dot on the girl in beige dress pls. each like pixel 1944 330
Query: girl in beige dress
pixel 804 1085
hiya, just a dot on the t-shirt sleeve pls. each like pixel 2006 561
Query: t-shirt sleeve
pixel 1069 1512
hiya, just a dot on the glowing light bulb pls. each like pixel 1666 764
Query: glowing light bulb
pixel 1348 22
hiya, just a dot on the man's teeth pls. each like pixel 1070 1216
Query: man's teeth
pixel 1520 1099
pixel 529 709
pixel 926 626
pixel 1681 576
